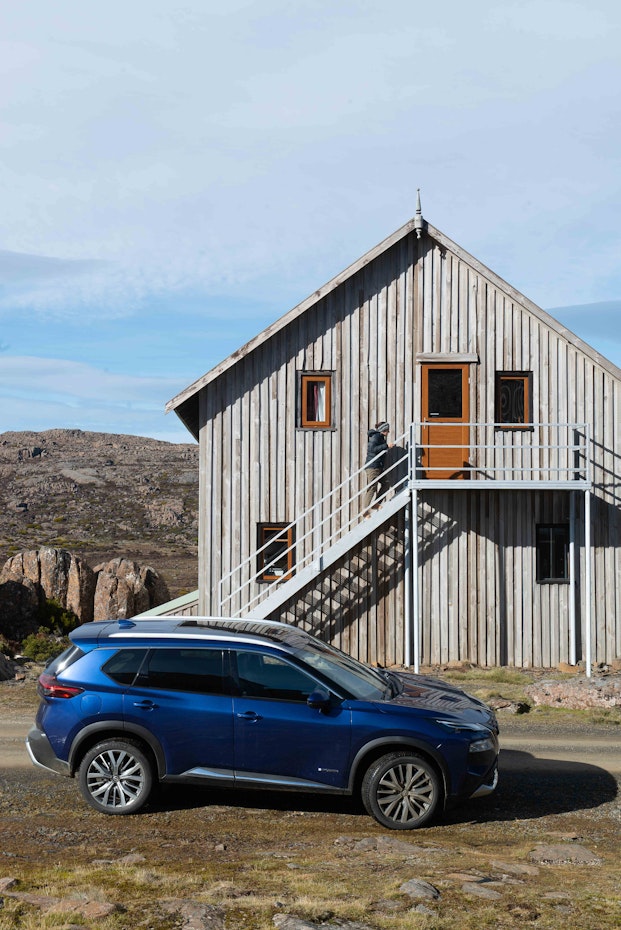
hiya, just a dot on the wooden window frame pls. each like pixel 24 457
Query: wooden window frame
pixel 304 379
pixel 274 528
pixel 561 540
pixel 526 377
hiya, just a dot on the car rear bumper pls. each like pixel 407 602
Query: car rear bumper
pixel 42 754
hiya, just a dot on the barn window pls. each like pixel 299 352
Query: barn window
pixel 315 400
pixel 552 552
pixel 514 399
pixel 275 558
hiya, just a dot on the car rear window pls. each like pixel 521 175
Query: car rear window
pixel 125 665
pixel 64 660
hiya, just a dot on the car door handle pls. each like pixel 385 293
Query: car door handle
pixel 249 715
pixel 145 705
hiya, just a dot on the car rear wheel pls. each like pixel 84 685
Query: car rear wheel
pixel 116 777
pixel 401 791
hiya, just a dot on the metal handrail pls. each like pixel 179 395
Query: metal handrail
pixel 418 471
pixel 572 441
pixel 315 527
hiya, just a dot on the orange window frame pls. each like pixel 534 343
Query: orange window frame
pixel 526 379
pixel 310 391
pixel 280 534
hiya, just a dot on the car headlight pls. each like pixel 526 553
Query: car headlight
pixel 484 744
pixel 456 726
pixel 481 745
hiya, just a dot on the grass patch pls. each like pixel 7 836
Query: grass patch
pixel 327 886
pixel 501 675
pixel 586 716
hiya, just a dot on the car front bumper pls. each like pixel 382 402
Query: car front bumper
pixel 488 786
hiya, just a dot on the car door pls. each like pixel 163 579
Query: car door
pixel 182 697
pixel 279 739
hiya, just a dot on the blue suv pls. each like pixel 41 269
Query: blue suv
pixel 255 704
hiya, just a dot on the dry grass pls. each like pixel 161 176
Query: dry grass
pixel 323 883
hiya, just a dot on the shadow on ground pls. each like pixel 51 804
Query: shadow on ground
pixel 529 788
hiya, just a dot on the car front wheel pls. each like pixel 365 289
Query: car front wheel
pixel 116 777
pixel 401 790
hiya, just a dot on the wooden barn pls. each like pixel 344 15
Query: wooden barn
pixel 497 539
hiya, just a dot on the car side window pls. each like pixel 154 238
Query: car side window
pixel 196 670
pixel 267 676
pixel 123 667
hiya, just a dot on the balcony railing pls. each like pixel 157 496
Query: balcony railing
pixel 539 454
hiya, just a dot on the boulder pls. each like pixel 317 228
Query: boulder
pixel 114 590
pixel 7 669
pixel 123 589
pixel 155 585
pixel 57 575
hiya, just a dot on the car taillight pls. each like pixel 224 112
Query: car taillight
pixel 49 686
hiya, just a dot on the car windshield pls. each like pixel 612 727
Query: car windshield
pixel 358 680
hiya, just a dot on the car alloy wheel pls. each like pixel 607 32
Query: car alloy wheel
pixel 116 777
pixel 401 791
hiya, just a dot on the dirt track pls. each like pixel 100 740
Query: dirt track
pixel 602 750
pixel 12 747
pixel 521 745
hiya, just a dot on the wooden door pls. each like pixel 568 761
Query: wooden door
pixel 445 415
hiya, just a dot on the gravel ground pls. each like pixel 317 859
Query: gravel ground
pixel 560 780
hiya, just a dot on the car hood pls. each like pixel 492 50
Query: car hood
pixel 430 694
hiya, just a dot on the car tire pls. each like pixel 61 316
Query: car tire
pixel 116 777
pixel 401 790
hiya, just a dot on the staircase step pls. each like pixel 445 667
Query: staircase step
pixel 345 544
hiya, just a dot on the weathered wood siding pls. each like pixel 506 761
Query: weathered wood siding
pixel 478 596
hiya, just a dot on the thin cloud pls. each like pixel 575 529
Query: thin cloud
pixel 77 382
pixel 598 324
pixel 602 317
pixel 37 393
pixel 20 267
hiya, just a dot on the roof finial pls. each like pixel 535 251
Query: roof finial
pixel 418 219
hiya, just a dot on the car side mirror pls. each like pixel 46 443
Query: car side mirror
pixel 319 699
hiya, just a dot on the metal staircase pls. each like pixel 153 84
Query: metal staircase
pixel 338 533
pixel 553 455
pixel 326 558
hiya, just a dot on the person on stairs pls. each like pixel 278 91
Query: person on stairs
pixel 377 447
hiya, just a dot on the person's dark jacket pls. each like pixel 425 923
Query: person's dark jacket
pixel 377 443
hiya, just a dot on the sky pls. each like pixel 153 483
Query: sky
pixel 177 174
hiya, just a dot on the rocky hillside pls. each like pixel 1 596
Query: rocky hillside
pixel 102 496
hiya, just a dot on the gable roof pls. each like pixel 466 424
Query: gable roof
pixel 185 404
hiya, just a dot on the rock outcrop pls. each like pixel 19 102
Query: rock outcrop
pixel 124 589
pixel 19 607
pixel 57 575
pixel 116 589
pixel 596 691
